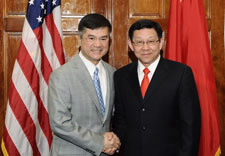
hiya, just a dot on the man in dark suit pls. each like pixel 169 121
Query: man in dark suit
pixel 157 113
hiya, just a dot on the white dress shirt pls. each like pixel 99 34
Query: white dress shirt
pixel 152 69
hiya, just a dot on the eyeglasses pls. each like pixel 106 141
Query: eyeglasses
pixel 142 43
pixel 92 39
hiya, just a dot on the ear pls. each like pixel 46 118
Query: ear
pixel 161 43
pixel 130 45
pixel 79 41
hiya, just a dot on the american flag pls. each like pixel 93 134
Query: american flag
pixel 27 131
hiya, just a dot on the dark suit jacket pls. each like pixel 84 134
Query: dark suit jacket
pixel 167 121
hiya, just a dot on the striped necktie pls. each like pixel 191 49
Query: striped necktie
pixel 98 90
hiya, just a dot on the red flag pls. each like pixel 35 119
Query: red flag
pixel 27 131
pixel 188 42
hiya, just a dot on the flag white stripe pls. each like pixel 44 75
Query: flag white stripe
pixel 29 40
pixel 30 101
pixel 21 87
pixel 49 48
pixel 15 131
pixel 57 19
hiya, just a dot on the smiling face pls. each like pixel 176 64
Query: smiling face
pixel 146 45
pixel 95 43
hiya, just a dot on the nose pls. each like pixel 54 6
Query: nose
pixel 97 43
pixel 146 46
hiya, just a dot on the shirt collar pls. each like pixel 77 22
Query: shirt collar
pixel 91 66
pixel 152 66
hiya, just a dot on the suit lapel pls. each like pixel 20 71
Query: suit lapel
pixel 85 78
pixel 108 92
pixel 134 82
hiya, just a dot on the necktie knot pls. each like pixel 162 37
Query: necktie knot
pixel 146 71
pixel 96 71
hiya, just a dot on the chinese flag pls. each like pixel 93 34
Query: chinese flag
pixel 188 42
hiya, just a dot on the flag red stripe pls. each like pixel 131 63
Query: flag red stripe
pixel 32 76
pixel 21 113
pixel 9 145
pixel 39 54
pixel 45 65
pixel 56 38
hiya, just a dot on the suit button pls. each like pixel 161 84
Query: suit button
pixel 143 109
pixel 144 128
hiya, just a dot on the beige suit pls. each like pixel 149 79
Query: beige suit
pixel 75 114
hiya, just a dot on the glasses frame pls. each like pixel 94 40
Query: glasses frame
pixel 148 43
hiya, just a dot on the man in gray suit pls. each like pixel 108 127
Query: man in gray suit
pixel 81 93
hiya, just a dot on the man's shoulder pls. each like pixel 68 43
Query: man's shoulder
pixel 127 68
pixel 108 66
pixel 174 64
pixel 65 68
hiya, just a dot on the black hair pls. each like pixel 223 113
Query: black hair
pixel 145 23
pixel 94 21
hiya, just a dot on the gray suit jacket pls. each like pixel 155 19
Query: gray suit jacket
pixel 75 114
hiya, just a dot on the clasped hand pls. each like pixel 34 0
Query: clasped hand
pixel 111 143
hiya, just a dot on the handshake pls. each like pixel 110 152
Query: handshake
pixel 111 143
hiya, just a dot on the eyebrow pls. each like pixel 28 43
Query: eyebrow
pixel 89 35
pixel 152 38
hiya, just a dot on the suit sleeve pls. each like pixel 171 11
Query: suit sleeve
pixel 190 115
pixel 118 122
pixel 59 106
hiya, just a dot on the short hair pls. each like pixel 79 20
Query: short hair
pixel 145 23
pixel 94 21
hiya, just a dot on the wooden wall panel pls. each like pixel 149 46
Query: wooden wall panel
pixel 2 85
pixel 125 14
pixel 70 42
pixel 11 46
pixel 75 8
pixel 154 9
pixel 208 8
pixel 218 52
pixel 17 7
pixel 72 12
pixel 121 13
pixel 119 36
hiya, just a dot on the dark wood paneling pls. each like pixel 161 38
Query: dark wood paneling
pixel 70 41
pixel 75 8
pixel 9 23
pixel 17 7
pixel 127 12
pixel 2 90
pixel 119 36
pixel 218 53
pixel 122 13
pixel 12 45
pixel 154 9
